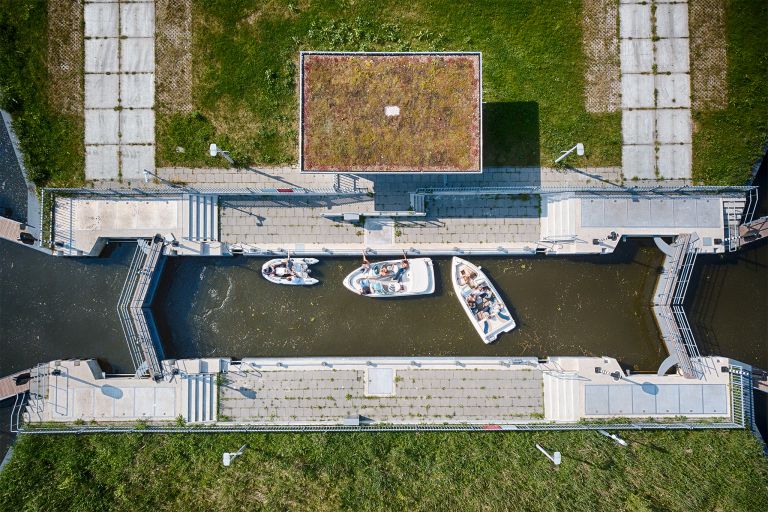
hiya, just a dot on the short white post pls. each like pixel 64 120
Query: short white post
pixel 555 457
pixel 579 148
pixel 615 438
pixel 214 151
pixel 230 456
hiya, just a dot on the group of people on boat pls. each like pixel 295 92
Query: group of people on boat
pixel 481 299
pixel 283 269
pixel 383 277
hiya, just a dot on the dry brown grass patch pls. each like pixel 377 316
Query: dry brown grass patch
pixel 600 38
pixel 173 52
pixel 709 60
pixel 343 112
pixel 65 55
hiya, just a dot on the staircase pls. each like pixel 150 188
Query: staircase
pixel 561 396
pixel 202 212
pixel 558 221
pixel 733 209
pixel 199 398
pixel 417 203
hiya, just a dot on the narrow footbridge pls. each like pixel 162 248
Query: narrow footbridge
pixel 14 384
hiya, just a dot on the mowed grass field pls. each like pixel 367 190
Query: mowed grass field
pixel 670 471
pixel 245 57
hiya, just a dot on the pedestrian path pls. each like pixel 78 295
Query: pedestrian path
pixel 656 89
pixel 119 89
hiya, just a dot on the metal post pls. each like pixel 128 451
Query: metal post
pixel 230 456
pixel 555 457
pixel 614 437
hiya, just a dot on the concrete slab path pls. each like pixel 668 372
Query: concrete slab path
pixel 656 90
pixel 119 89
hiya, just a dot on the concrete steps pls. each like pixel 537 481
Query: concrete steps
pixel 202 213
pixel 561 394
pixel 199 398
pixel 558 220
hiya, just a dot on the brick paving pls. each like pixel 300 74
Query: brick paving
pixel 423 395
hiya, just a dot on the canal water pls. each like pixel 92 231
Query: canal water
pixel 218 306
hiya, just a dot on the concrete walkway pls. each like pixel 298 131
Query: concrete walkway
pixel 656 90
pixel 119 89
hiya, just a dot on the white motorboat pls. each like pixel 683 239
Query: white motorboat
pixel 482 303
pixel 391 279
pixel 290 271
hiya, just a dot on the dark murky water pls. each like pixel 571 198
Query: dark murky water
pixel 562 306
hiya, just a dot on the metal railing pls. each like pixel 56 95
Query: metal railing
pixel 180 190
pixel 668 309
pixel 131 308
pixel 614 190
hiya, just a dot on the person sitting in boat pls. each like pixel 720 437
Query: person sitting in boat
pixel 467 278
pixel 365 287
pixel 402 269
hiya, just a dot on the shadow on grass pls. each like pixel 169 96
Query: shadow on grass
pixel 511 134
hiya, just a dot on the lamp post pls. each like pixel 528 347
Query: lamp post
pixel 147 174
pixel 230 456
pixel 555 457
pixel 615 438
pixel 214 151
pixel 578 148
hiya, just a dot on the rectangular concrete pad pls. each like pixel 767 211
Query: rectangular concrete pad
pixel 596 400
pixel 101 162
pixel 137 19
pixel 668 399
pixel 637 91
pixel 639 213
pixel 672 55
pixel 715 399
pixel 101 56
pixel 137 126
pixel 620 400
pixel 673 126
pixel 101 91
pixel 636 56
pixel 635 21
pixel 137 90
pixel 101 20
pixel 674 91
pixel 675 161
pixel 672 20
pixel 102 126
pixel 643 401
pixel 135 159
pixel 691 399
pixel 637 126
pixel 138 55
pixel 639 161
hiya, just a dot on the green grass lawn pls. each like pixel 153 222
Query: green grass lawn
pixel 52 142
pixel 727 142
pixel 683 470
pixel 245 57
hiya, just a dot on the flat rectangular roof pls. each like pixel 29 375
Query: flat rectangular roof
pixel 391 112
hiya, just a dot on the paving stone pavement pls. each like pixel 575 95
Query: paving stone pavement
pixel 423 395
pixel 656 90
pixel 119 89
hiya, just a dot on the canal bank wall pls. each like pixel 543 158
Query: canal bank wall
pixel 384 394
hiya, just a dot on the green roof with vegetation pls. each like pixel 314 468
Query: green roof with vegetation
pixel 434 125
pixel 659 470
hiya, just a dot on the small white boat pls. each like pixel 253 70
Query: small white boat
pixel 480 300
pixel 290 271
pixel 391 279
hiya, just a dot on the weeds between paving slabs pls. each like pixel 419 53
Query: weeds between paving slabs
pixel 245 57
pixel 52 141
pixel 660 470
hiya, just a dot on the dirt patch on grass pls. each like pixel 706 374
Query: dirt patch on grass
pixel 600 39
pixel 65 55
pixel 173 53
pixel 709 59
